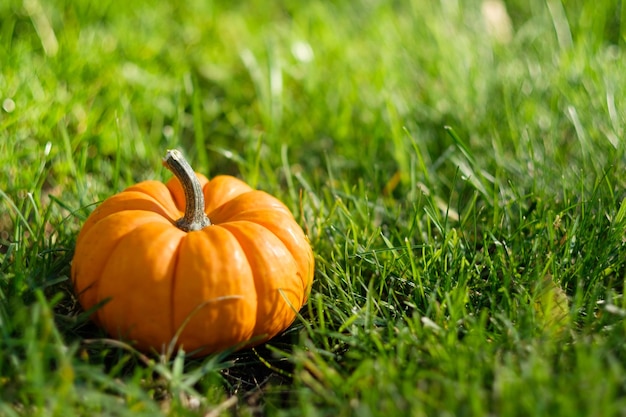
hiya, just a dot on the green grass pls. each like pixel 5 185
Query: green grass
pixel 463 189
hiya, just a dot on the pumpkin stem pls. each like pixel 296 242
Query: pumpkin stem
pixel 194 218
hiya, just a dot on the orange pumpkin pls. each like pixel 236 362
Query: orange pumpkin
pixel 216 263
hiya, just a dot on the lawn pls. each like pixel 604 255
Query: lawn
pixel 458 167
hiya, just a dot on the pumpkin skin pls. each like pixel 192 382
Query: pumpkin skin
pixel 235 283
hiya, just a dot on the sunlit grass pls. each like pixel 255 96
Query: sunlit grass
pixel 457 166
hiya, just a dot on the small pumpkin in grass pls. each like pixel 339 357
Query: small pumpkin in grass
pixel 215 263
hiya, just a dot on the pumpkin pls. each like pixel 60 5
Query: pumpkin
pixel 204 265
